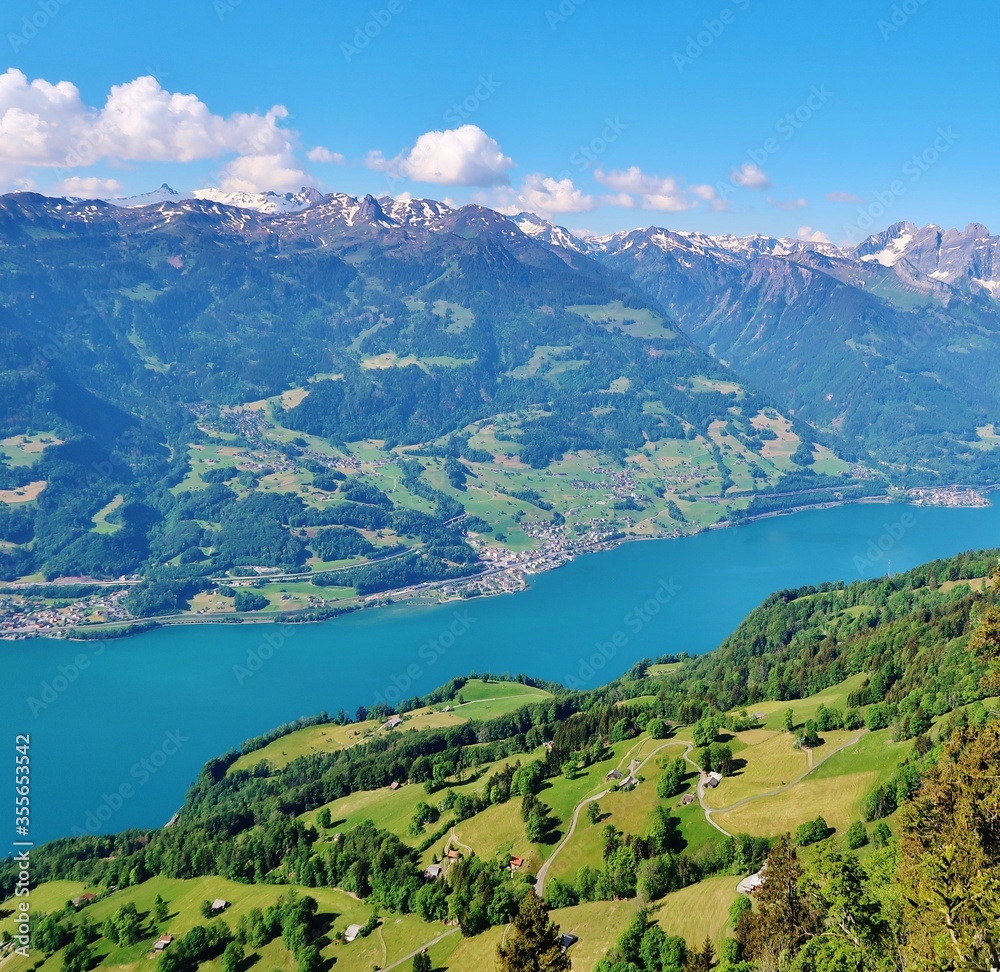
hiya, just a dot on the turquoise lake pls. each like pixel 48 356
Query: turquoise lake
pixel 119 729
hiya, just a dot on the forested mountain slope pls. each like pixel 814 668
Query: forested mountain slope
pixel 165 364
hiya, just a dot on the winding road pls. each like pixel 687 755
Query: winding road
pixel 708 811
pixel 544 869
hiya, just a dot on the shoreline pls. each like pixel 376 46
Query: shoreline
pixel 126 629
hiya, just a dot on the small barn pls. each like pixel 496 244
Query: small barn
pixel 615 774
pixel 352 932
pixel 162 942
pixel 219 904
pixel 687 799
pixel 433 872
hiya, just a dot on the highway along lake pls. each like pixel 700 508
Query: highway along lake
pixel 119 729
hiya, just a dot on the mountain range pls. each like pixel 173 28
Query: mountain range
pixel 130 326
pixel 887 348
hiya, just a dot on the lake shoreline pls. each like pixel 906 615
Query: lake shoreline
pixel 119 630
pixel 582 625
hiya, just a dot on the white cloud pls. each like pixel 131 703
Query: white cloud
pixel 89 187
pixel 464 156
pixel 542 195
pixel 706 192
pixel 657 192
pixel 322 154
pixel 622 199
pixel 750 176
pixel 787 204
pixel 845 197
pixel 812 235
pixel 46 124
pixel 279 171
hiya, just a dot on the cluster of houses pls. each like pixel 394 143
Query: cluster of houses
pixel 434 871
pixel 20 614
pixel 623 781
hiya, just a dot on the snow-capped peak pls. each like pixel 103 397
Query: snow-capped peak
pixel 541 229
pixel 887 247
pixel 414 212
pixel 153 198
pixel 261 202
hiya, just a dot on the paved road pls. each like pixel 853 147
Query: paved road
pixel 544 869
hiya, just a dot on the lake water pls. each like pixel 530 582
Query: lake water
pixel 119 729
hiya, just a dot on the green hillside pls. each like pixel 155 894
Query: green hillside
pixel 828 715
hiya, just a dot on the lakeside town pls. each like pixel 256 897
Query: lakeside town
pixel 36 610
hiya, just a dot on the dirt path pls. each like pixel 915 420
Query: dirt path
pixel 459 844
pixel 406 958
pixel 780 789
pixel 544 869
pixel 385 954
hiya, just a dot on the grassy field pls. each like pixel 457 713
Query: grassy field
pixel 698 911
pixel 100 520
pixel 771 762
pixel 24 450
pixel 597 925
pixel 401 934
pixel 628 811
pixel 477 700
pixel 22 494
pixel 835 790
pixel 487 700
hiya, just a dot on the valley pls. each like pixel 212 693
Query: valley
pixel 440 445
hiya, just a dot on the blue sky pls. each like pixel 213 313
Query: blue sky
pixel 737 116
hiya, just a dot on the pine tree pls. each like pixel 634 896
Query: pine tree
pixel 422 962
pixel 950 868
pixel 533 943
pixel 784 918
